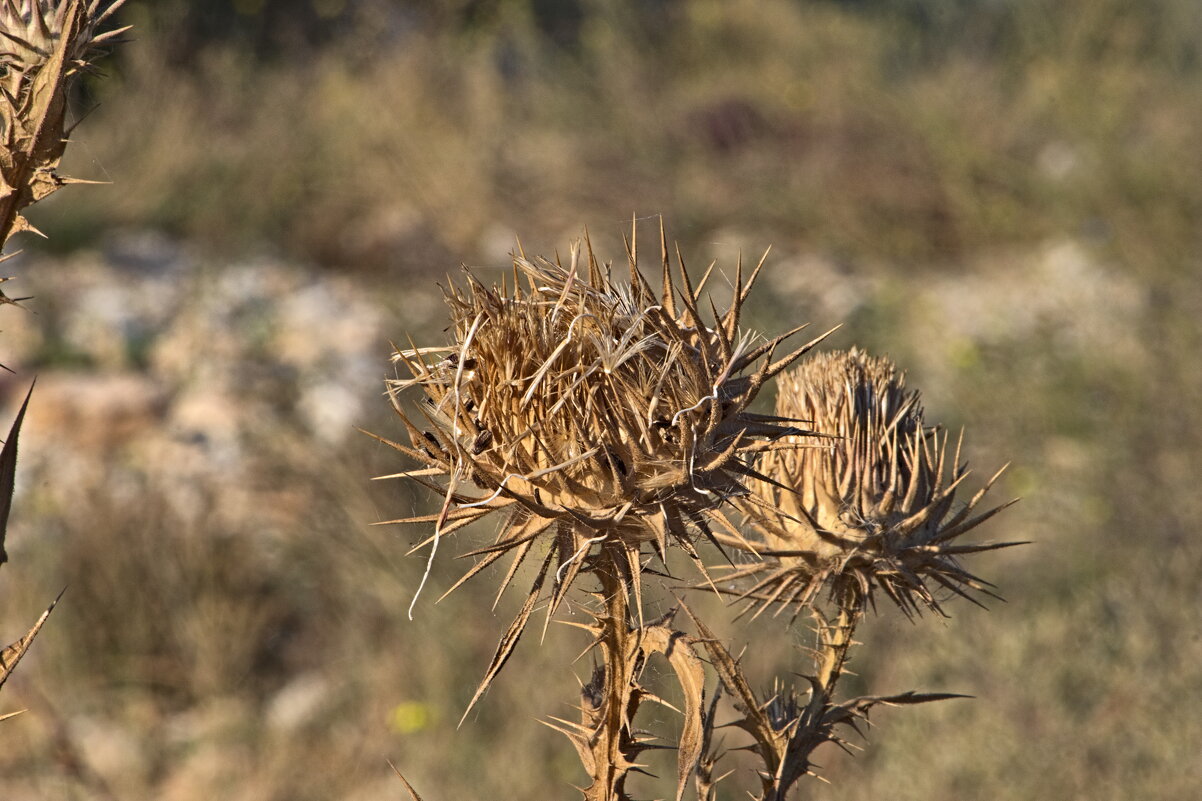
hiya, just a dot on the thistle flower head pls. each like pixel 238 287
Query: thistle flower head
pixel 574 398
pixel 599 414
pixel 874 507
pixel 32 30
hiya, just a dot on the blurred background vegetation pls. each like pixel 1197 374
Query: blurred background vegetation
pixel 1003 195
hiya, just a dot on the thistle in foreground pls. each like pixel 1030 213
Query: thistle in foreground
pixel 44 46
pixel 608 423
pixel 604 419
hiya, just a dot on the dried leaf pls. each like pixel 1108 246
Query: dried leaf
pixel 8 472
pixel 510 639
pixel 691 676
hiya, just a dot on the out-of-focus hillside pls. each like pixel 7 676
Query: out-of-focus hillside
pixel 1005 197
pixel 407 135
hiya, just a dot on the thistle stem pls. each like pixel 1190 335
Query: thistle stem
pixel 836 638
pixel 611 712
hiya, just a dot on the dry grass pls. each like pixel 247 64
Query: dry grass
pixel 905 142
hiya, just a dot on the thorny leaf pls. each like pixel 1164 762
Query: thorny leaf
pixel 510 639
pixel 408 787
pixel 34 102
pixel 704 779
pixel 8 471
pixel 11 655
pixel 785 729
pixel 691 675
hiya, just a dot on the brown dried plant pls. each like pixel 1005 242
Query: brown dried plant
pixel 870 508
pixel 44 46
pixel 786 727
pixel 608 423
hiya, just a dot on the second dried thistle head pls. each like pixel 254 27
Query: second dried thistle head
pixel 873 506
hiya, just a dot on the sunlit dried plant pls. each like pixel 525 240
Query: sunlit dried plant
pixel 872 507
pixel 786 726
pixel 44 46
pixel 608 423
pixel 601 416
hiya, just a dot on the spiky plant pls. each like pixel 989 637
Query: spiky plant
pixel 786 726
pixel 605 421
pixel 873 507
pixel 44 46
pixel 608 424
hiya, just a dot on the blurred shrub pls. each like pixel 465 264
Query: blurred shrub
pixel 398 135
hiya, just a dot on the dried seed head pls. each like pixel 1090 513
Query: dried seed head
pixel 43 44
pixel 580 399
pixel 597 413
pixel 872 507
pixel 32 30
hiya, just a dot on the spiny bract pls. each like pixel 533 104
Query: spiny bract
pixel 43 44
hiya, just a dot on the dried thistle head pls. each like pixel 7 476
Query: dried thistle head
pixel 874 506
pixel 597 414
pixel 582 400
pixel 43 45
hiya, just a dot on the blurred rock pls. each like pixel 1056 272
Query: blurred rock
pixel 218 720
pixel 92 412
pixel 1060 296
pixel 209 749
pixel 78 425
pixel 111 751
pixel 161 373
pixel 821 286
pixel 299 702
